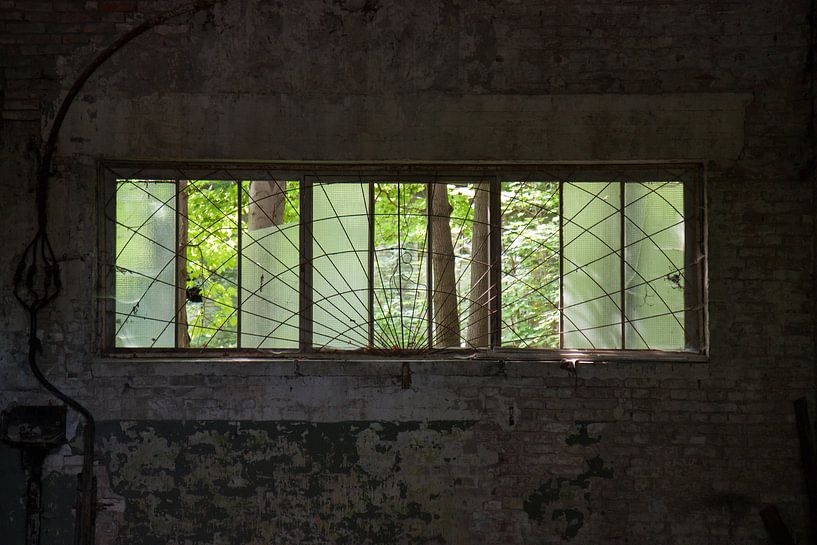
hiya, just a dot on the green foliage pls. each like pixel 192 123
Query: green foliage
pixel 212 262
pixel 530 264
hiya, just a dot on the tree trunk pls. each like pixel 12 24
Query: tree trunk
pixel 478 323
pixel 266 204
pixel 444 296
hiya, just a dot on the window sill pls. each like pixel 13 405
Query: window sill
pixel 507 363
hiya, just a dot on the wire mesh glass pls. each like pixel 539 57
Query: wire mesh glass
pixel 145 263
pixel 269 253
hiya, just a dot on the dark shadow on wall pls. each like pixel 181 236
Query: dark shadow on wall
pixel 59 495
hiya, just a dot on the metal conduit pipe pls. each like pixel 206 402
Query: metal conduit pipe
pixel 37 277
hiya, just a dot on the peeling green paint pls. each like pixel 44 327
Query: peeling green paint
pixel 547 501
pixel 587 433
pixel 536 503
pixel 574 520
pixel 289 482
pixel 595 468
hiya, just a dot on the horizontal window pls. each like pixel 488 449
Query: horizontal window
pixel 396 259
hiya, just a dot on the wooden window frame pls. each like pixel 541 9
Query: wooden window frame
pixel 695 320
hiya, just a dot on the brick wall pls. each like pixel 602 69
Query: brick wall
pixel 510 452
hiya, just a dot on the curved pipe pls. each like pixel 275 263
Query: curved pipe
pixel 44 171
pixel 40 250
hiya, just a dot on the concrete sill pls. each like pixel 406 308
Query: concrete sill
pixel 499 364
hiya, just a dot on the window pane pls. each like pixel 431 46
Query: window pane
pixel 591 260
pixel 145 263
pixel 269 266
pixel 530 264
pixel 400 281
pixel 460 264
pixel 340 277
pixel 471 242
pixel 654 269
pixel 212 263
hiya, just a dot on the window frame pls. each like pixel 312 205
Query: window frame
pixel 695 253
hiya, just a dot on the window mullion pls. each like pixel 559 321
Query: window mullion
pixel 429 268
pixel 370 263
pixel 239 221
pixel 494 253
pixel 182 222
pixel 305 267
pixel 622 263
pixel 693 295
pixel 108 242
pixel 561 265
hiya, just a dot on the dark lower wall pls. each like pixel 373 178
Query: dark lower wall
pixel 522 453
pixel 294 482
pixel 498 452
